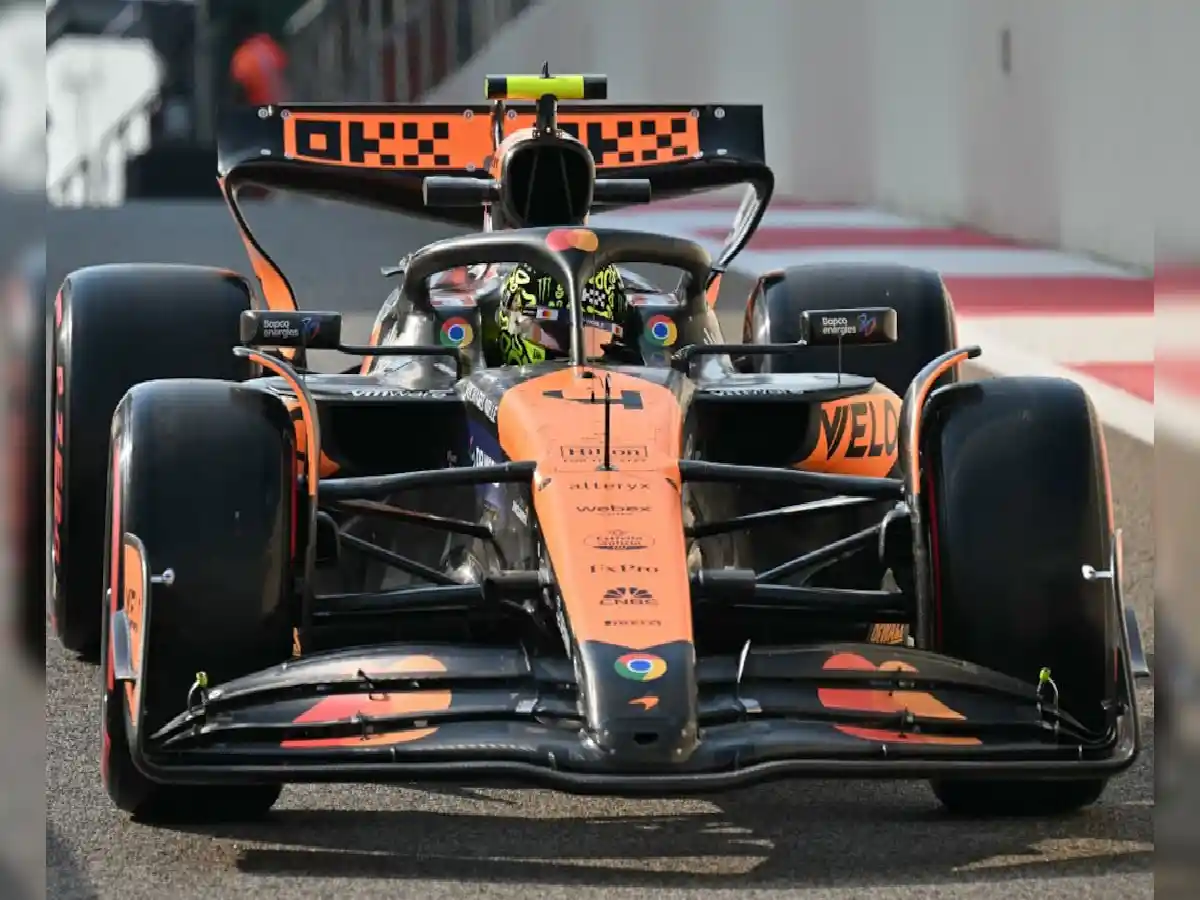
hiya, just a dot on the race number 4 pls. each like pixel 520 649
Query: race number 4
pixel 626 399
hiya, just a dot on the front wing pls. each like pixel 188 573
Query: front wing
pixel 487 716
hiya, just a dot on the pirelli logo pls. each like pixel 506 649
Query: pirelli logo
pixel 382 141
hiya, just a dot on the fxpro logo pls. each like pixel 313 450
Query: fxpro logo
pixel 624 569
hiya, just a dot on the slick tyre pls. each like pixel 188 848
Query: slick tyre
pixel 113 327
pixel 924 315
pixel 202 478
pixel 1015 497
pixel 1016 799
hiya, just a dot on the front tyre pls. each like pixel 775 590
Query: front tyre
pixel 985 798
pixel 202 473
pixel 1016 499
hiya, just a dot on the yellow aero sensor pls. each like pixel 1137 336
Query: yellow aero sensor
pixel 534 87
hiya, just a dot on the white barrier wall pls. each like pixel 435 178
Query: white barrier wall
pixel 1172 144
pixel 1086 141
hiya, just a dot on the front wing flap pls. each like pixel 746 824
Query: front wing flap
pixel 410 713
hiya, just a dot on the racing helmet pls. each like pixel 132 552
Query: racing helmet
pixel 535 318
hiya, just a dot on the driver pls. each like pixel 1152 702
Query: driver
pixel 533 323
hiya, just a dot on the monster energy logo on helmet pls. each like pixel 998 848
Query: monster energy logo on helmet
pixel 546 291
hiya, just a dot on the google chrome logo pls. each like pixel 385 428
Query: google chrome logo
pixel 661 331
pixel 456 333
pixel 641 666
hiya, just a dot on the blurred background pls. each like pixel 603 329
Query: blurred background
pixel 1042 155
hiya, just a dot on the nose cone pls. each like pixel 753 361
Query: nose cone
pixel 667 740
pixel 641 705
pixel 615 540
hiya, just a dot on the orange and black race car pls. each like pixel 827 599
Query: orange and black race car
pixel 663 563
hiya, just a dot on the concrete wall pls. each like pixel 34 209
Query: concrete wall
pixel 1086 142
pixel 331 253
pixel 1172 140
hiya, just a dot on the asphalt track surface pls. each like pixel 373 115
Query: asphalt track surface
pixel 810 839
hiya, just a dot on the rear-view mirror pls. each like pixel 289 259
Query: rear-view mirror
pixel 450 191
pixel 621 191
pixel 269 328
pixel 825 327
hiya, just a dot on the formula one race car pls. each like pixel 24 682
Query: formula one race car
pixel 661 564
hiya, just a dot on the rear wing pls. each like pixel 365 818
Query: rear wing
pixel 379 154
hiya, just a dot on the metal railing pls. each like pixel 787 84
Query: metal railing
pixel 391 51
pixel 97 176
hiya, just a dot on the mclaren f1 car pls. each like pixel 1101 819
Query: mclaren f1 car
pixel 665 563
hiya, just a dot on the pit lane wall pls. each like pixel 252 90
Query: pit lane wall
pixel 1063 133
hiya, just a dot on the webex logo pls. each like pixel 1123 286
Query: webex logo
pixel 612 509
